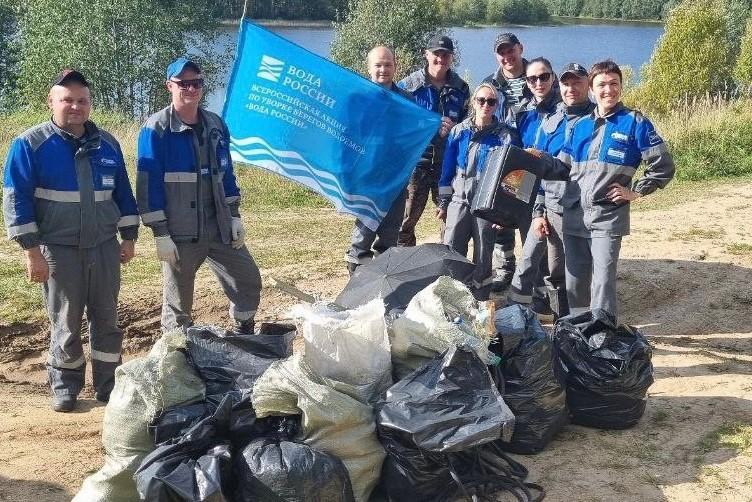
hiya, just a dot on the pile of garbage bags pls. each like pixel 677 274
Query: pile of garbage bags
pixel 420 404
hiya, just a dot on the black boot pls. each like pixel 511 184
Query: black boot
pixel 351 267
pixel 247 327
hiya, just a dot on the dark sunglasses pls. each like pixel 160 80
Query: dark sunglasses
pixel 543 77
pixel 489 101
pixel 196 83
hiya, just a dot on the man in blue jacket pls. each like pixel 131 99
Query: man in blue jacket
pixel 365 243
pixel 189 197
pixel 66 195
pixel 439 89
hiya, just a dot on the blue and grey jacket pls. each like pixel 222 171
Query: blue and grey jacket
pixel 170 176
pixel 465 158
pixel 449 101
pixel 58 189
pixel 601 151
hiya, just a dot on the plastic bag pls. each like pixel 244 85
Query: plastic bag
pixel 194 467
pixel 443 315
pixel 271 470
pixel 143 387
pixel 233 362
pixel 609 370
pixel 348 349
pixel 450 404
pixel 333 422
pixel 534 387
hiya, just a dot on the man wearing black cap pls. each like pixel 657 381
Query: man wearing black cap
pixel 190 199
pixel 546 232
pixel 509 80
pixel 439 89
pixel 66 195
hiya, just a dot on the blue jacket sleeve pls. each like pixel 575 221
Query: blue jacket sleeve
pixel 229 181
pixel 449 167
pixel 150 190
pixel 126 203
pixel 19 182
pixel 659 165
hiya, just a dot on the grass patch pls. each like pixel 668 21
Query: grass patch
pixel 740 249
pixel 736 435
pixel 22 300
pixel 696 233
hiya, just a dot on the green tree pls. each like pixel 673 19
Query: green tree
pixel 469 11
pixel 8 55
pixel 691 59
pixel 122 46
pixel 404 26
pixel 516 11
pixel 743 69
pixel 737 13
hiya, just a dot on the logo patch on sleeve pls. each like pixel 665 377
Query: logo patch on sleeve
pixel 107 162
pixel 654 138
pixel 108 181
pixel 619 136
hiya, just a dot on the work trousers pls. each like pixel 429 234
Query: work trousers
pixel 365 243
pixel 235 270
pixel 461 226
pixel 529 270
pixel 591 272
pixel 423 182
pixel 82 280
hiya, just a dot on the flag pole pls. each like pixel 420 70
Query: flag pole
pixel 245 9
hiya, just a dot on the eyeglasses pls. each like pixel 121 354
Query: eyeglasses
pixel 488 101
pixel 543 77
pixel 196 83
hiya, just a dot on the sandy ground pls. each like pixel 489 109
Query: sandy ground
pixel 685 279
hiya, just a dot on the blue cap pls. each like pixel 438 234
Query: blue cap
pixel 176 67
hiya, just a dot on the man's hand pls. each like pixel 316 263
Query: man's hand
pixel 497 227
pixel 37 268
pixel 167 251
pixel 441 213
pixel 446 126
pixel 540 227
pixel 238 233
pixel 618 193
pixel 127 251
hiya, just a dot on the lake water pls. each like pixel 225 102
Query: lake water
pixel 626 43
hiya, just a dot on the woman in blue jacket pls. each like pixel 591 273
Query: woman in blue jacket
pixel 467 148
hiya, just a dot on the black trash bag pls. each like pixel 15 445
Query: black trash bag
pixel 609 369
pixel 174 422
pixel 277 470
pixel 448 404
pixel 534 386
pixel 410 474
pixel 194 467
pixel 229 362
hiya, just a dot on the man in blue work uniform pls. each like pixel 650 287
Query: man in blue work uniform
pixel 599 159
pixel 189 197
pixel 365 243
pixel 66 195
pixel 509 81
pixel 437 88
pixel 546 235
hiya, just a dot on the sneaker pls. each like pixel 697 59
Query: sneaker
pixel 351 267
pixel 63 404
pixel 543 310
pixel 247 327
pixel 102 397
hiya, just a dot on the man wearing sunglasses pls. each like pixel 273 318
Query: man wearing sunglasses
pixel 439 89
pixel 509 81
pixel 66 196
pixel 190 199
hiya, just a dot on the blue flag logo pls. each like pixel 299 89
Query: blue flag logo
pixel 310 120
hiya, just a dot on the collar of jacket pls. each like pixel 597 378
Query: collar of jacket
pixel 492 129
pixel 177 125
pixel 609 116
pixel 548 105
pixel 90 140
pixel 578 110
pixel 452 79
pixel 500 80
